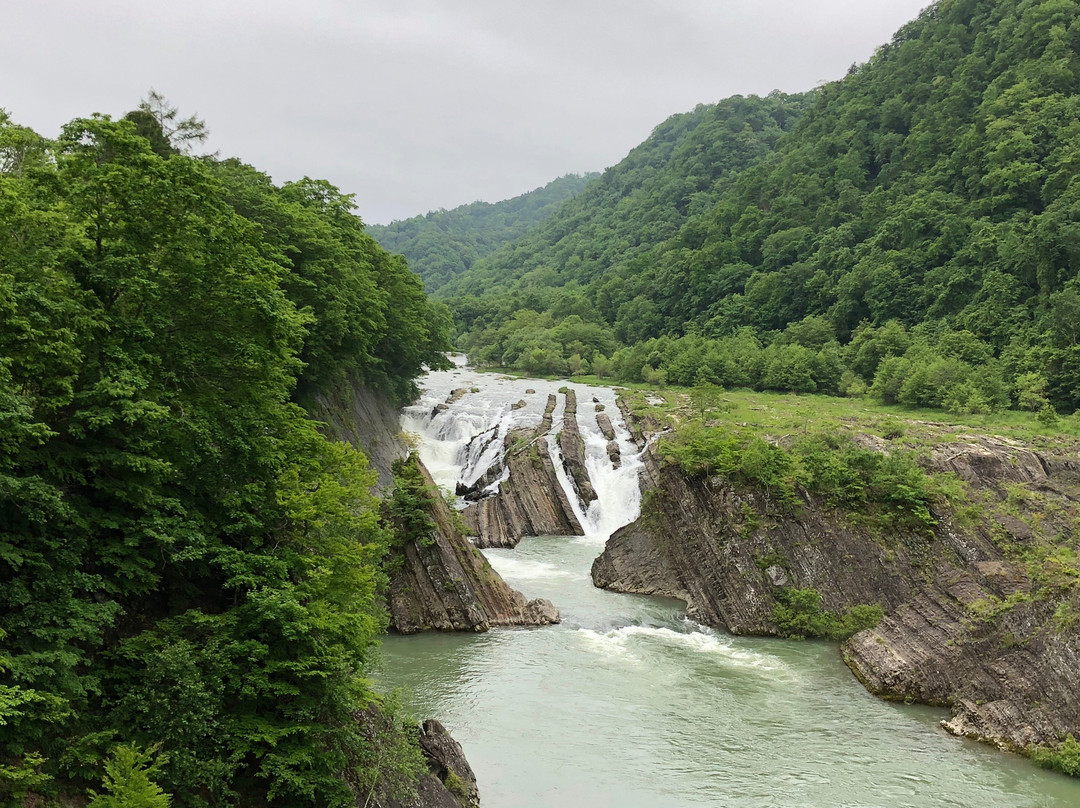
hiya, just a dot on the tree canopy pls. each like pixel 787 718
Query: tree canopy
pixel 931 191
pixel 186 562
pixel 442 244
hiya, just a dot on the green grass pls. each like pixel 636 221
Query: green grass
pixel 834 448
pixel 779 414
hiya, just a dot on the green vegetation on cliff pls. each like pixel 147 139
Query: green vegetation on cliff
pixel 186 563
pixel 913 233
pixel 442 244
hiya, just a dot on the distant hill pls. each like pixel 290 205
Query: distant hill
pixel 679 170
pixel 442 244
pixel 926 204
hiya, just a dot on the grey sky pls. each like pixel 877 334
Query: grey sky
pixel 419 105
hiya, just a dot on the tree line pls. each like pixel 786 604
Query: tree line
pixel 933 190
pixel 189 569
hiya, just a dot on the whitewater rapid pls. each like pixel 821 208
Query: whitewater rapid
pixel 490 406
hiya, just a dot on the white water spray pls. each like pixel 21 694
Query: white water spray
pixel 462 440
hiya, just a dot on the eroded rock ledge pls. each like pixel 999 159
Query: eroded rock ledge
pixel 965 626
pixel 572 446
pixel 531 501
pixel 442 582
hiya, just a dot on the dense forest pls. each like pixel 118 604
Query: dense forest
pixel 442 244
pixel 188 567
pixel 910 231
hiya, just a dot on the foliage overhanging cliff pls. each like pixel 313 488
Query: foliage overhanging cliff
pixel 185 560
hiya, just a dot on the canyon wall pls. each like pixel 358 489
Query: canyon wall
pixel 978 615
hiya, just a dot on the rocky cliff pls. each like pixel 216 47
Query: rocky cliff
pixel 441 583
pixel 982 614
pixel 365 418
pixel 530 501
pixel 438 580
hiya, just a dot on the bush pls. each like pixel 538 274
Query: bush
pixel 128 773
pixel 799 615
pixel 408 508
pixel 890 489
pixel 1065 758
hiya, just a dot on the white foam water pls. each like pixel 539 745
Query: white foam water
pixel 461 441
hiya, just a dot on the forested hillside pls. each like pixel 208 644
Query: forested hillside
pixel 188 568
pixel 442 244
pixel 680 170
pixel 923 211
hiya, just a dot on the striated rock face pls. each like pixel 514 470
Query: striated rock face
pixel 444 583
pixel 531 502
pixel 697 541
pixel 572 446
pixel 365 418
pixel 967 625
pixel 608 431
pixel 445 756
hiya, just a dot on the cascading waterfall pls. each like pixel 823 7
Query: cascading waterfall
pixel 462 440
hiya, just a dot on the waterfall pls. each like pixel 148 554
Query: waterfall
pixel 460 437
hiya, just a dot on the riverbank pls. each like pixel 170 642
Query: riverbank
pixel 627 703
pixel 962 542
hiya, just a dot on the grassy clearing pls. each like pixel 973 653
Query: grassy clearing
pixel 778 414
pixel 835 449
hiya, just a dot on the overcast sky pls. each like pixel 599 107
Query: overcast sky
pixel 419 105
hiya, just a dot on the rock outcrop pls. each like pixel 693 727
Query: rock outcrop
pixel 364 417
pixel 449 781
pixel 572 446
pixel 977 616
pixel 614 453
pixel 531 501
pixel 439 581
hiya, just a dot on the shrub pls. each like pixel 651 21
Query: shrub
pixel 128 773
pixel 1065 758
pixel 408 507
pixel 889 489
pixel 799 615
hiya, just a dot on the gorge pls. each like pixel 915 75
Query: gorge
pixel 628 701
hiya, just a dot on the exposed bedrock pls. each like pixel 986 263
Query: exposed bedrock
pixel 364 417
pixel 572 447
pixel 992 637
pixel 442 582
pixel 449 781
pixel 531 501
pixel 608 431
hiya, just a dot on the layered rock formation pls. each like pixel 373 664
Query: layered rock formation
pixel 445 585
pixel 603 421
pixel 531 501
pixel 572 446
pixel 979 617
pixel 439 581
pixel 363 417
pixel 449 781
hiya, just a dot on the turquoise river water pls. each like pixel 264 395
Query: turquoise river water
pixel 628 704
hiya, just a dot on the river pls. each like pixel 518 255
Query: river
pixel 627 703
